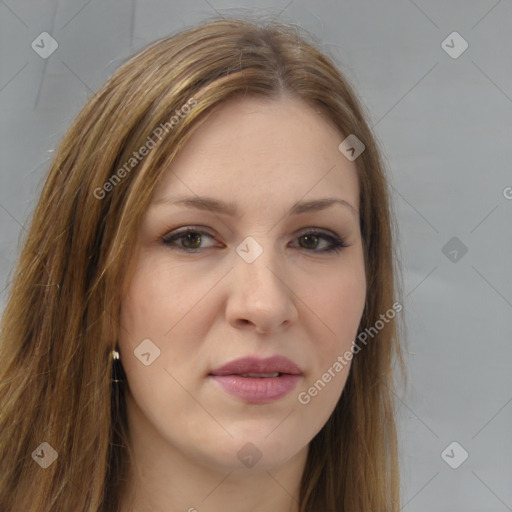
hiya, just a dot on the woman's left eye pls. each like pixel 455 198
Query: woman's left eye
pixel 192 238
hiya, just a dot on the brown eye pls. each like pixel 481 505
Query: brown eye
pixel 313 238
pixel 311 241
pixel 191 240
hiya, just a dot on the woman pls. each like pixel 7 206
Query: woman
pixel 143 369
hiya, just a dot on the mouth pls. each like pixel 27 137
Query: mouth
pixel 258 381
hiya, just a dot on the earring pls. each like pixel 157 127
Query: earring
pixel 117 369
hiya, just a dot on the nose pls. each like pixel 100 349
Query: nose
pixel 260 299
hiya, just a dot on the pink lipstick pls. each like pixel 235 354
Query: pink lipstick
pixel 258 381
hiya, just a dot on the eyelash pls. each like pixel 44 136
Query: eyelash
pixel 337 244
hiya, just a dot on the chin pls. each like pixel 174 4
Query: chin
pixel 247 453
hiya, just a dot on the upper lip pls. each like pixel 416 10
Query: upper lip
pixel 272 364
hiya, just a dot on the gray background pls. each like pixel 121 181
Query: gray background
pixel 445 126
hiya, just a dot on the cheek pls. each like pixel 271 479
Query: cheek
pixel 156 300
pixel 161 305
pixel 143 317
pixel 339 305
pixel 339 302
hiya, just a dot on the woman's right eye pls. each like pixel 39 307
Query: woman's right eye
pixel 191 239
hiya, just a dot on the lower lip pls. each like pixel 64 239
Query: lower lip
pixel 257 390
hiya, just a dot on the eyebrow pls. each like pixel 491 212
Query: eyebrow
pixel 215 205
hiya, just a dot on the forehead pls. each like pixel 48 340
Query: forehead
pixel 263 151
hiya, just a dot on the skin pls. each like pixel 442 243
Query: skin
pixel 204 309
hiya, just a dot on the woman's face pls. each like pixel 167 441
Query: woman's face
pixel 250 284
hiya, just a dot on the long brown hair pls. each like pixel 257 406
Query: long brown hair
pixel 61 319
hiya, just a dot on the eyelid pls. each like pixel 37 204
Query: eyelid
pixel 203 230
pixel 318 230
